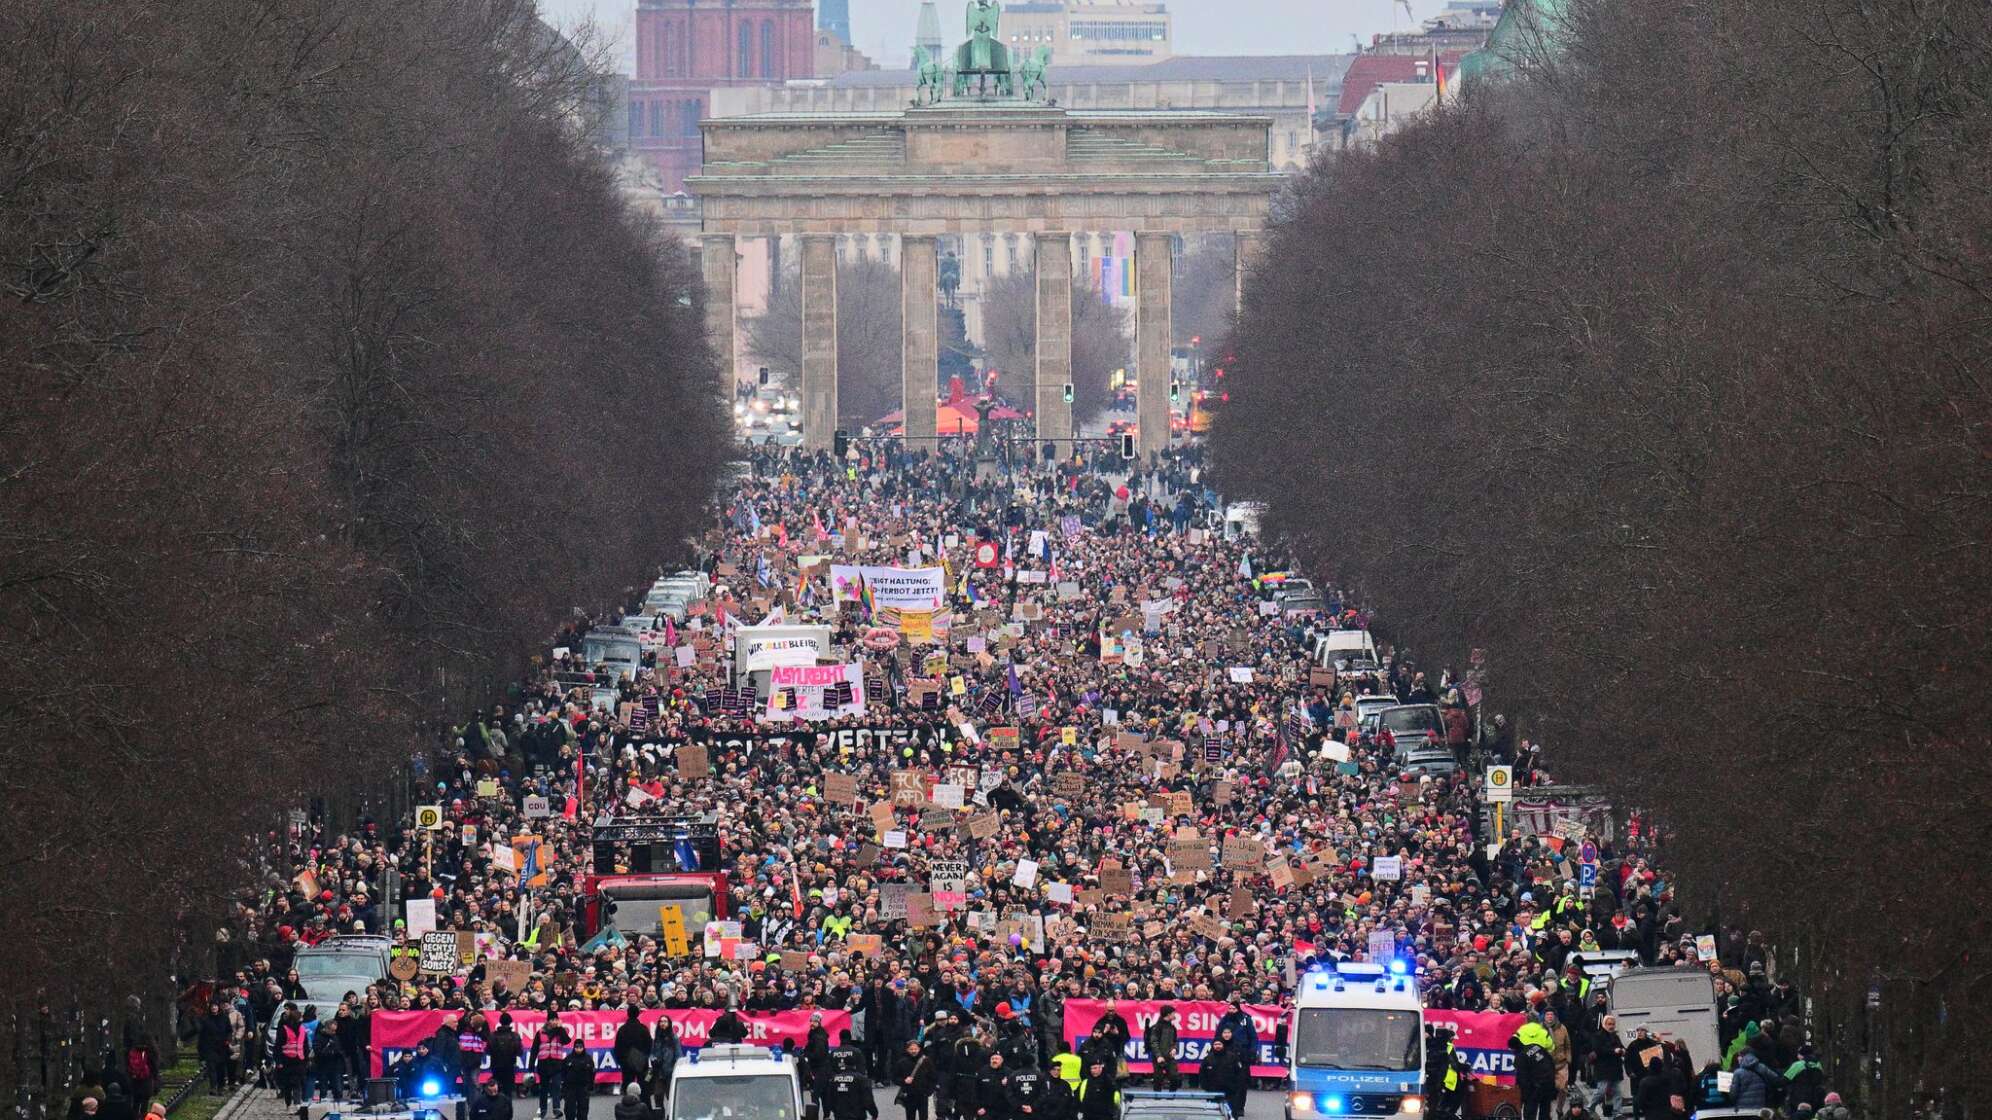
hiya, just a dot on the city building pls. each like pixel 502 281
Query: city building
pixel 1287 88
pixel 1381 93
pixel 687 49
pixel 1291 90
pixel 834 16
pixel 927 33
pixel 836 56
pixel 1090 32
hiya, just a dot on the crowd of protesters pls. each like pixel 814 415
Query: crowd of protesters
pixel 1209 695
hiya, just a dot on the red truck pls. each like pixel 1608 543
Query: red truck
pixel 643 863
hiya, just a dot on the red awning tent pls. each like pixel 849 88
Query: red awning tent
pixel 954 416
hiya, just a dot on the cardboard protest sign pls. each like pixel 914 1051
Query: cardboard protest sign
pixel 1116 880
pixel 1190 854
pixel 870 944
pixel 512 974
pixel 1112 927
pixel 983 825
pixel 694 762
pixel 882 817
pixel 1242 904
pixel 1281 872
pixel 840 789
pixel 1243 853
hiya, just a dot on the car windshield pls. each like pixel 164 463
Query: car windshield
pixel 1410 719
pixel 639 910
pixel 1357 1038
pixel 747 1097
pixel 312 965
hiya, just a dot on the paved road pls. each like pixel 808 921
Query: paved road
pixel 1258 1106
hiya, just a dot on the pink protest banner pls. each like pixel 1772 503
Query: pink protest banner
pixel 396 1032
pixel 1196 1025
pixel 1482 1039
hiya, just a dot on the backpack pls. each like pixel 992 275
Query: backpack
pixel 138 1064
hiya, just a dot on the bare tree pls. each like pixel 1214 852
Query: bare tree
pixel 1100 338
pixel 1686 425
pixel 321 328
pixel 869 337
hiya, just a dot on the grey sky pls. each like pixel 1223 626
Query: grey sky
pixel 884 28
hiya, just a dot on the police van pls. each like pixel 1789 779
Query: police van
pixel 1356 1043
pixel 736 1082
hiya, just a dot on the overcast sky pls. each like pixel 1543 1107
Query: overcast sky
pixel 884 28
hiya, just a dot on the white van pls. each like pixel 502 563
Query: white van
pixel 1339 647
pixel 735 1082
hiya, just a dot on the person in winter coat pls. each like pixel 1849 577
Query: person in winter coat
pixel 1560 1049
pixel 848 1093
pixel 492 1102
pixel 506 1050
pixel 213 1046
pixel 1160 1040
pixel 1234 1070
pixel 550 1067
pixel 1109 1038
pixel 293 1055
pixel 579 1081
pixel 1239 1022
pixel 1834 1109
pixel 664 1053
pixel 1535 1069
pixel 1606 1056
pixel 631 1106
pixel 984 1098
pixel 633 1051
pixel 913 1071
pixel 1805 1082
pixel 1099 1092
pixel 328 1060
pixel 1753 1083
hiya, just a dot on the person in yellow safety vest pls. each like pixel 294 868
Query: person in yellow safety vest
pixel 1065 1065
pixel 1099 1094
pixel 836 926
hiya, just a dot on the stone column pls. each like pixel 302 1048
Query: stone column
pixel 1053 259
pixel 1152 338
pixel 719 263
pixel 1245 250
pixel 819 339
pixel 919 284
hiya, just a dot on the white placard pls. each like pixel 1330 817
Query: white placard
pixel 1027 873
pixel 422 915
pixel 895 839
pixel 1389 869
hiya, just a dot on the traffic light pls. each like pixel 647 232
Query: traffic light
pixel 840 443
pixel 764 377
pixel 1175 391
pixel 1127 445
pixel 1068 392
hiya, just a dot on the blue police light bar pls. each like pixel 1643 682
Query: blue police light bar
pixel 1398 967
pixel 432 1088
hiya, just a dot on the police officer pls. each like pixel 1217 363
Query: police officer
pixel 849 1093
pixel 1025 1093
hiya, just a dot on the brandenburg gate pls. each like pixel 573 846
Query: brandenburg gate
pixel 987 159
